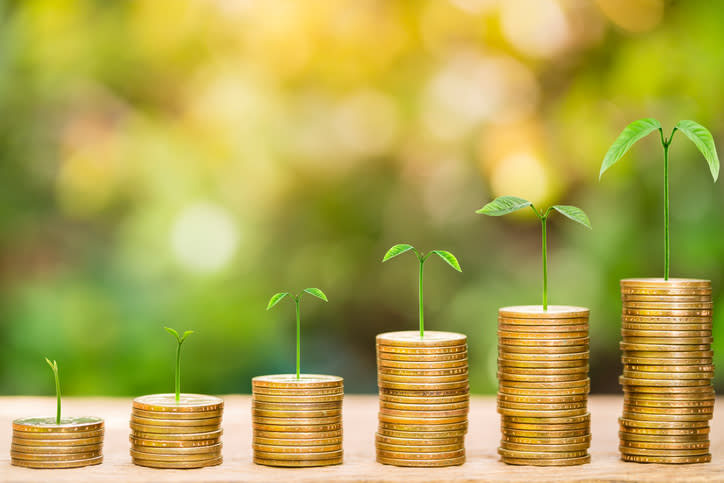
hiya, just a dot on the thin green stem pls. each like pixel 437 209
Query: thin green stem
pixel 667 241
pixel 178 371
pixel 299 331
pixel 545 261
pixel 422 316
pixel 57 393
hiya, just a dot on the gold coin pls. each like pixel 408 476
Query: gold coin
pixel 512 374
pixel 660 432
pixel 660 334
pixel 391 356
pixel 543 385
pixel 432 338
pixel 537 417
pixel 547 462
pixel 57 464
pixel 522 391
pixel 689 376
pixel 545 442
pixel 630 381
pixel 390 378
pixel 545 448
pixel 669 403
pixel 680 341
pixel 298 456
pixel 296 450
pixel 291 381
pixel 635 319
pixel 424 407
pixel 653 424
pixel 543 329
pixel 421 427
pixel 669 283
pixel 54 457
pixel 689 298
pixel 544 433
pixel 55 450
pixel 707 326
pixel 207 422
pixel 542 406
pixel 276 406
pixel 420 450
pixel 57 442
pixel 292 393
pixel 691 445
pixel 662 438
pixel 524 428
pixel 417 442
pixel 535 371
pixel 186 403
pixel 160 443
pixel 701 368
pixel 420 463
pixel 536 323
pixel 670 355
pixel 509 453
pixel 289 421
pixel 454 399
pixel 454 371
pixel 579 398
pixel 641 361
pixel 201 415
pixel 67 425
pixel 544 357
pixel 668 305
pixel 424 386
pixel 300 428
pixel 503 360
pixel 180 457
pixel 670 410
pixel 178 464
pixel 669 417
pixel 537 312
pixel 424 419
pixel 421 351
pixel 547 336
pixel 425 365
pixel 666 348
pixel 438 413
pixel 319 413
pixel 426 393
pixel 309 399
pixel 145 428
pixel 59 436
pixel 297 463
pixel 667 312
pixel 667 459
pixel 298 435
pixel 321 442
pixel 147 451
pixel 426 435
pixel 680 392
pixel 514 350
pixel 443 455
pixel 627 450
pixel 542 343
pixel 177 436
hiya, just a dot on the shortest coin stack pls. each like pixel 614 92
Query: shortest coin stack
pixel 166 433
pixel 543 385
pixel 41 443
pixel 297 422
pixel 667 370
pixel 424 398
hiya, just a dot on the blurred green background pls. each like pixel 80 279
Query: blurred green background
pixel 177 162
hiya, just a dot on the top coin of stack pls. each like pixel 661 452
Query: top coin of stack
pixel 424 398
pixel 166 433
pixel 297 421
pixel 543 385
pixel 41 443
pixel 667 370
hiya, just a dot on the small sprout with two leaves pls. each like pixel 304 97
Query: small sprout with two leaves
pixel 698 134
pixel 54 367
pixel 180 340
pixel 422 258
pixel 508 204
pixel 276 298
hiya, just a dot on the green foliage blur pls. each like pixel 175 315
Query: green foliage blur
pixel 176 162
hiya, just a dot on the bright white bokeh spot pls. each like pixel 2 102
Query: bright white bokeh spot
pixel 204 237
pixel 538 28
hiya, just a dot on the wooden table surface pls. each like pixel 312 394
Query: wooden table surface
pixel 360 421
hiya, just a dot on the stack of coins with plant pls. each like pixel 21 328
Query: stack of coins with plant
pixel 667 336
pixel 543 354
pixel 297 418
pixel 59 442
pixel 176 430
pixel 423 386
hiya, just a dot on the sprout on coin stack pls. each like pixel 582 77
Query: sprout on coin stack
pixel 424 391
pixel 543 354
pixel 59 442
pixel 176 430
pixel 297 418
pixel 667 336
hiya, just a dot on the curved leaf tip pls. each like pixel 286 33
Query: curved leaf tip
pixel 704 141
pixel 398 249
pixel 503 205
pixel 275 299
pixel 574 213
pixel 449 258
pixel 172 332
pixel 628 137
pixel 317 293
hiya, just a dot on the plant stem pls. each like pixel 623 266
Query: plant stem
pixel 298 335
pixel 422 316
pixel 545 261
pixel 57 394
pixel 178 371
pixel 666 210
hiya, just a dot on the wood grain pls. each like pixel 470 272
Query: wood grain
pixel 360 419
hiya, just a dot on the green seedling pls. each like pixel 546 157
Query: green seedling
pixel 698 134
pixel 276 298
pixel 54 367
pixel 508 204
pixel 180 340
pixel 422 258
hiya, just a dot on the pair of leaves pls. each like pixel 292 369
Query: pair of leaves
pixel 277 297
pixel 401 248
pixel 179 338
pixel 53 365
pixel 507 204
pixel 698 134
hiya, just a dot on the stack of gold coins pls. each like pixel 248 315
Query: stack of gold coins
pixel 166 433
pixel 543 385
pixel 667 370
pixel 424 398
pixel 42 443
pixel 297 422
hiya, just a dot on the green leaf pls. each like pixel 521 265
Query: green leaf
pixel 186 334
pixel 704 141
pixel 503 205
pixel 172 332
pixel 275 299
pixel 628 137
pixel 317 293
pixel 53 365
pixel 449 258
pixel 397 250
pixel 574 213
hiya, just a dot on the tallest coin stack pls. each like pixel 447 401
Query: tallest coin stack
pixel 667 361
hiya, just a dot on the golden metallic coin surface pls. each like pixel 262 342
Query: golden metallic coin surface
pixel 178 464
pixel 508 433
pixel 545 448
pixel 529 406
pixel 175 457
pixel 661 283
pixel 580 382
pixel 431 338
pixel 671 305
pixel 385 364
pixel 515 350
pixel 545 336
pixel 463 397
pixel 55 450
pixel 288 421
pixel 391 356
pixel 214 449
pixel 422 420
pixel 670 410
pixel 533 419
pixel 394 379
pixel 67 425
pixel 508 376
pixel 54 457
pixel 145 428
pixel 206 422
pixel 298 435
pixel 424 414
pixel 668 383
pixel 177 436
pixel 540 343
pixel 308 399
pixel 627 450
pixel 427 387
pixel 295 406
pixel 18 439
pixel 546 442
pixel 296 414
pixel 537 312
pixel 295 450
pixel 424 407
pixel 426 435
pixel 517 391
pixel 508 453
pixel 186 403
pixel 290 381
pixel 672 376
pixel 547 462
pixel 298 456
pixel 669 403
pixel 297 442
pixel 652 424
pixel 298 463
pixel 666 361
pixel 415 442
pixel 545 357
pixel 420 450
pixel 57 464
pixel 542 329
pixel 579 398
pixel 540 322
pixel 663 438
pixel 505 361
pixel 443 455
pixel 160 443
pixel 297 427
pixel 421 427
pixel 667 459
pixel 202 415
pixel 420 463
pixel 423 372
pixel 690 445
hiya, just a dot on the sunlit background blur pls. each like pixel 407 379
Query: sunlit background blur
pixel 177 162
